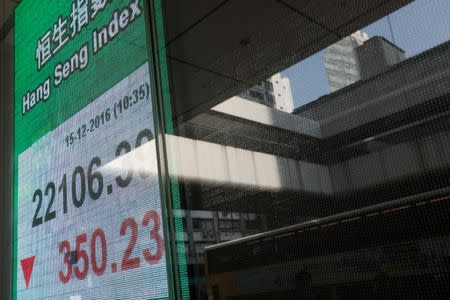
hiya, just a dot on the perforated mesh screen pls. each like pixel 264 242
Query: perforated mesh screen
pixel 311 147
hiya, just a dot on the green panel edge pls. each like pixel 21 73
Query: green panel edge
pixel 176 201
pixel 173 188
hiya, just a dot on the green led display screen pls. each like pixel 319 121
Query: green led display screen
pixel 88 215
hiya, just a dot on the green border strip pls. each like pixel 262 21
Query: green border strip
pixel 163 123
pixel 176 201
pixel 15 175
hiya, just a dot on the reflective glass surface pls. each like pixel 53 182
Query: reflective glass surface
pixel 310 147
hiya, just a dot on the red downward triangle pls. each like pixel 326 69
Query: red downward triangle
pixel 27 268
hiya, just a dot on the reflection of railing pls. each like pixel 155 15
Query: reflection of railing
pixel 418 200
pixel 388 245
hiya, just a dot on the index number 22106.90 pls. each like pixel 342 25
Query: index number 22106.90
pixel 80 180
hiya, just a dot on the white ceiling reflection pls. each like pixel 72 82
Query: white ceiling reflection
pixel 200 161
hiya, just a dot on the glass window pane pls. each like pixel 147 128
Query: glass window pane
pixel 312 137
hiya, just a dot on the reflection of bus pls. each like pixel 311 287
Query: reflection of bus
pixel 398 248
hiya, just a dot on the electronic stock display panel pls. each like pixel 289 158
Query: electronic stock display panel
pixel 88 216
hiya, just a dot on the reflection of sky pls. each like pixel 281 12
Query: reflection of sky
pixel 417 27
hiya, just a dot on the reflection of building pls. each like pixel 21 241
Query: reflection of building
pixel 356 57
pixel 341 61
pixel 381 140
pixel 368 135
pixel 375 131
pixel 377 55
pixel 273 92
pixel 206 228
